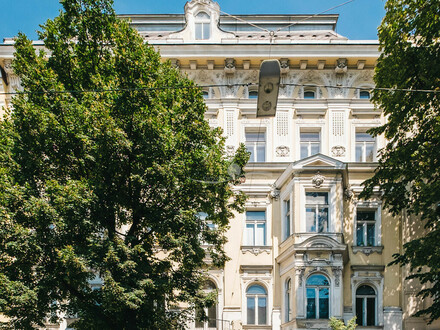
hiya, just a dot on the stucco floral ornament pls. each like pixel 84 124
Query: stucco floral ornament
pixel 318 180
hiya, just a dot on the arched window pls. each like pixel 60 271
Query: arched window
pixel 256 298
pixel 364 94
pixel 253 94
pixel 318 294
pixel 211 311
pixel 365 306
pixel 288 288
pixel 205 94
pixel 202 26
pixel 309 94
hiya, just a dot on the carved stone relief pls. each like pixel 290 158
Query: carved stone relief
pixel 318 180
pixel 338 151
pixel 282 151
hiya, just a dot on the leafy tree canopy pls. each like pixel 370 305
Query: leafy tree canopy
pixel 108 185
pixel 409 167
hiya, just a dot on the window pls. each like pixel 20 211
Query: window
pixel 211 311
pixel 365 147
pixel 253 94
pixel 205 94
pixel 204 222
pixel 203 26
pixel 286 218
pixel 309 94
pixel 310 143
pixel 255 232
pixel 256 145
pixel 318 291
pixel 256 298
pixel 364 94
pixel 317 212
pixel 365 306
pixel 366 228
pixel 288 288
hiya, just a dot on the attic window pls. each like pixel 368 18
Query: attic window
pixel 202 26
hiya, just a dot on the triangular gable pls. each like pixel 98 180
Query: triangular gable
pixel 319 160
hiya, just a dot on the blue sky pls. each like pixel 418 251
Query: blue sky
pixel 358 19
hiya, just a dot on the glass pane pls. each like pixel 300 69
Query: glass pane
pixel 360 234
pixel 304 150
pixel 261 153
pixel 255 136
pixel 199 35
pixel 365 215
pixel 365 290
pixel 261 310
pixel 205 94
pixel 256 215
pixel 253 94
pixel 360 136
pixel 310 219
pixel 314 149
pixel 260 238
pixel 309 95
pixel 251 310
pixel 364 94
pixel 202 15
pixel 256 289
pixel 309 136
pixel 206 30
pixel 249 234
pixel 323 220
pixel 323 303
pixel 371 311
pixel 369 152
pixel 359 152
pixel 212 315
pixel 360 311
pixel 250 148
pixel 320 280
pixel 311 304
pixel 370 234
pixel 317 198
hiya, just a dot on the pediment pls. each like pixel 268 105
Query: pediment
pixel 319 161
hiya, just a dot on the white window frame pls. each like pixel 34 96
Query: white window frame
pixel 288 300
pixel 364 147
pixel 206 323
pixel 309 127
pixel 330 290
pixel 329 188
pixel 376 281
pixel 287 218
pixel 365 307
pixel 199 23
pixel 375 206
pixel 255 144
pixel 317 207
pixel 310 143
pixel 313 89
pixel 259 125
pixel 357 126
pixel 255 223
pixel 256 303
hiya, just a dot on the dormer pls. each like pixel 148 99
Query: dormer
pixel 202 23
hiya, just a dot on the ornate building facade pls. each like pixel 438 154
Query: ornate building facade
pixel 307 248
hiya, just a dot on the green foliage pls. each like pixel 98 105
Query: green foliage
pixel 336 324
pixel 409 168
pixel 108 184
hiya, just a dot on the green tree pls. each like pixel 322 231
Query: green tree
pixel 108 185
pixel 336 324
pixel 409 168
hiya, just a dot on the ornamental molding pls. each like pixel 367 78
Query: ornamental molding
pixel 367 250
pixel 282 151
pixel 300 273
pixel 338 151
pixel 230 151
pixel 341 65
pixel 318 180
pixel 275 192
pixel 256 250
pixel 337 271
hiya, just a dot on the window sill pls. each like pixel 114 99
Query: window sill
pixel 367 250
pixel 257 327
pixel 313 323
pixel 256 250
pixel 370 327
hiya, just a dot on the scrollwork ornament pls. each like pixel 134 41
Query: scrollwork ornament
pixel 318 180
